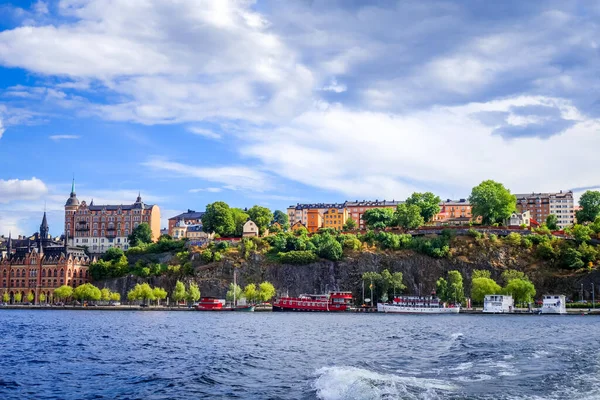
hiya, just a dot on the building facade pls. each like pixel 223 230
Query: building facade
pixel 40 265
pixel 356 209
pixel 519 219
pixel 454 212
pixel 335 218
pixel 250 229
pixel 314 221
pixel 100 227
pixel 540 205
pixel 190 217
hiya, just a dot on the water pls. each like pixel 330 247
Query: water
pixel 192 355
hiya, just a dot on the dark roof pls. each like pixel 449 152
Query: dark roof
pixel 195 228
pixel 122 207
pixel 190 214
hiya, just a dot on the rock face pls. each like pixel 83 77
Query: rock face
pixel 420 273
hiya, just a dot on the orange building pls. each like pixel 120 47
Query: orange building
pixel 315 221
pixel 335 218
pixel 38 266
pixel 298 225
pixel 356 209
pixel 454 212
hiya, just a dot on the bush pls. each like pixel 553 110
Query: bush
pixel 300 257
pixel 493 238
pixel 331 250
pixel 352 243
pixel 545 251
pixel 514 239
pixel 526 242
pixel 206 256
pixel 474 233
pixel 571 258
pixel 537 238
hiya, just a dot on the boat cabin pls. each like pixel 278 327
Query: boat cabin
pixel 554 304
pixel 498 304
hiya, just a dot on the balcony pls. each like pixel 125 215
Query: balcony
pixel 82 228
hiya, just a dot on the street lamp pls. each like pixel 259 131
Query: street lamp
pixel 593 298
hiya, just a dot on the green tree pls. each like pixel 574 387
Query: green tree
pixel 552 222
pixel 441 289
pixel 239 219
pixel 511 274
pixel 141 292
pixel 378 218
pixel 193 293
pixel 114 296
pixel 589 254
pixel 234 289
pixel 179 292
pixel 159 294
pixel 6 297
pixel 266 291
pixel 105 294
pixel 408 216
pixel 428 203
pixel 63 292
pixel 18 297
pixel 582 233
pixel 482 286
pixel 87 291
pixel 521 290
pixel 396 282
pixel 251 293
pixel 331 249
pixel 350 225
pixel 590 207
pixel 30 297
pixel 261 216
pixel 218 218
pixel 282 219
pixel 545 251
pixel 571 258
pixel 113 253
pixel 140 234
pixel 492 202
pixel 456 289
pixel 42 297
pixel 481 273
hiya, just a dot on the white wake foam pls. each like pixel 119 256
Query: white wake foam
pixel 350 383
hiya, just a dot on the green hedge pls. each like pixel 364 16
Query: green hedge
pixel 298 257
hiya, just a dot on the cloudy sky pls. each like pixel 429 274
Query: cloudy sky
pixel 278 102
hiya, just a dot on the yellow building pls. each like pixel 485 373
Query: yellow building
pixel 335 218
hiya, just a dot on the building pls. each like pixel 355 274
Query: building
pixel 315 220
pixel 356 209
pixel 194 234
pixel 100 227
pixel 519 219
pixel 299 212
pixel 454 212
pixel 40 265
pixel 540 205
pixel 335 218
pixel 250 229
pixel 190 217
pixel 179 231
pixel 297 225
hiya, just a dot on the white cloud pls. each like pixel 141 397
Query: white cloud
pixel 21 189
pixel 334 86
pixel 1 129
pixel 209 190
pixel 57 138
pixel 234 177
pixel 204 132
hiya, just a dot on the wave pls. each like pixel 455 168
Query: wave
pixel 351 383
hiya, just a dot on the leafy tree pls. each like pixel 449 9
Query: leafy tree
pixel 30 297
pixel 251 293
pixel 179 292
pixel 115 296
pixel 42 297
pixel 6 297
pixel 590 207
pixel 571 258
pixel 396 282
pixel 492 202
pixel 441 289
pixel 545 251
pixel 113 253
pixel 87 291
pixel 18 297
pixel 589 254
pixel 140 234
pixel 159 294
pixel 331 250
pixel 298 257
pixel 521 290
pixel 408 216
pixel 428 203
pixel 261 216
pixel 378 218
pixel 239 292
pixel 552 222
pixel 239 219
pixel 352 243
pixel 513 238
pixel 511 274
pixel 63 292
pixel 141 292
pixel 582 233
pixel 218 218
pixel 266 291
pixel 350 225
pixel 282 219
pixel 456 289
pixel 105 294
pixel 193 293
pixel 482 286
pixel 481 273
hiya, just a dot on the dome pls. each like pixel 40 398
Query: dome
pixel 72 201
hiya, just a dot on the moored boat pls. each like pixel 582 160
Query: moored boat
pixel 209 304
pixel 554 304
pixel 498 304
pixel 417 305
pixel 247 308
pixel 331 302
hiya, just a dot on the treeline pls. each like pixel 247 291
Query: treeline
pixel 253 293
pixel 227 221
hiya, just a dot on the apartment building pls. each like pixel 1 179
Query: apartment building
pixel 540 205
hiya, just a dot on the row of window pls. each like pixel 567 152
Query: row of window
pixel 33 273
pixel 32 283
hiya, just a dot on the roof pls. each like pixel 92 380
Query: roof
pixel 459 202
pixel 318 205
pixel 195 228
pixel 560 194
pixel 357 203
pixel 110 207
pixel 190 214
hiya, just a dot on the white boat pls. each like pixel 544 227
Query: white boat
pixel 554 304
pixel 417 305
pixel 498 304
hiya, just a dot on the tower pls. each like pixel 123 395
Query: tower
pixel 71 207
pixel 43 235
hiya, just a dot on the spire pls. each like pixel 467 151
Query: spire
pixel 44 228
pixel 139 198
pixel 73 185
pixel 9 244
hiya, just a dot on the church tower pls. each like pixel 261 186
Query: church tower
pixel 71 207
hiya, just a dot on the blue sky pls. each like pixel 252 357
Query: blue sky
pixel 273 103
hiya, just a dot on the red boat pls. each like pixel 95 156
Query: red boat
pixel 334 301
pixel 209 304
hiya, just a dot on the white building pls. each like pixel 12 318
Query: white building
pixel 562 205
pixel 519 219
pixel 498 304
pixel 250 229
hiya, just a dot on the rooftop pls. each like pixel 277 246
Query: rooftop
pixel 190 214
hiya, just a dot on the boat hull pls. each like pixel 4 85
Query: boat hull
pixel 244 308
pixel 393 309
pixel 279 308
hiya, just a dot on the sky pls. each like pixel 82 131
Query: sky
pixel 279 102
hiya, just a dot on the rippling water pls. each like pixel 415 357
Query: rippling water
pixel 192 355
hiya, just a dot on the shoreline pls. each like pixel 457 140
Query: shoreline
pixel 572 311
